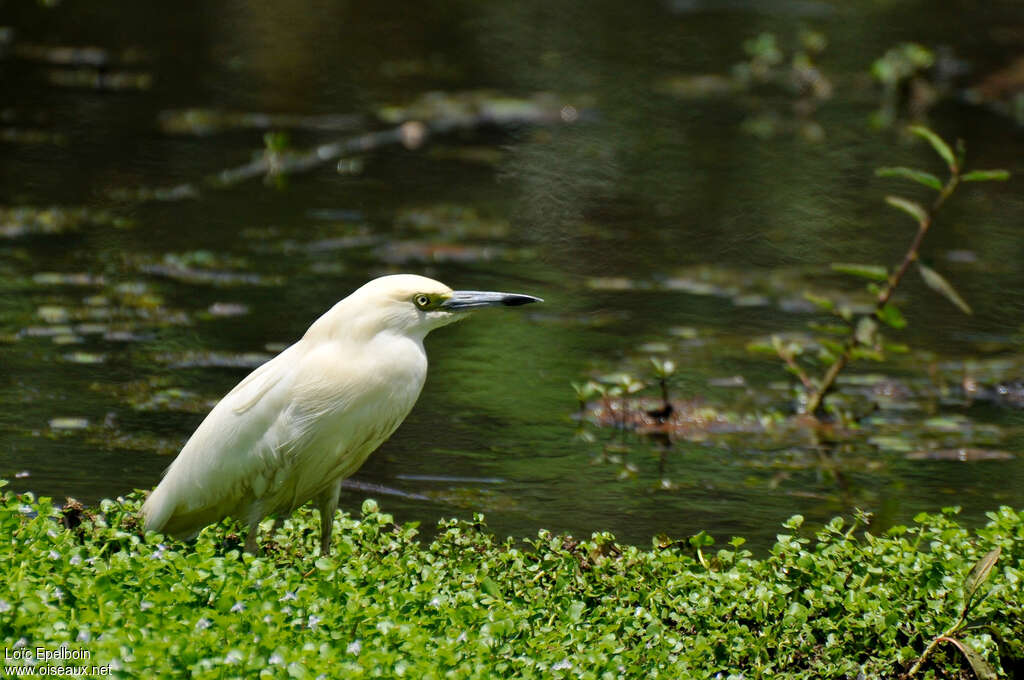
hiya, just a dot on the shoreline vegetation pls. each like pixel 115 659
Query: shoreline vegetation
pixel 932 599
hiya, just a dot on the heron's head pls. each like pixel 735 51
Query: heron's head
pixel 415 305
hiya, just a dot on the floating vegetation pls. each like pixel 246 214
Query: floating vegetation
pixel 88 358
pixel 119 313
pixel 173 193
pixel 474 498
pixel 962 455
pixel 156 393
pixel 906 88
pixel 769 72
pixel 68 279
pixel 405 252
pixel 452 221
pixel 478 107
pixel 32 136
pixel 227 309
pixel 203 267
pixel 99 79
pixel 68 423
pixel 205 122
pixel 88 67
pixel 19 221
pixel 783 287
pixel 113 439
pixel 70 55
pixel 246 360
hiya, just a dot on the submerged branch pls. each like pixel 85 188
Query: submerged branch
pixel 467 113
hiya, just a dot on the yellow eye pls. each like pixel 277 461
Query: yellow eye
pixel 422 301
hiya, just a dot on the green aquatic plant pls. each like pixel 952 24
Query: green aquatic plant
pixel 901 72
pixel 853 336
pixel 836 602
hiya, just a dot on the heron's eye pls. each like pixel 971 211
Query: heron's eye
pixel 422 301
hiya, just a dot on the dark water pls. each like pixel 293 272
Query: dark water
pixel 646 183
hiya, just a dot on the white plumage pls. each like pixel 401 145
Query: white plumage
pixel 295 427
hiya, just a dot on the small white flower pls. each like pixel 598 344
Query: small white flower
pixel 354 647
pixel 203 624
pixel 54 555
pixel 313 621
pixel 238 607
pixel 84 636
pixel 275 659
pixel 5 606
pixel 25 509
pixel 233 657
pixel 22 642
pixel 145 604
pixel 267 619
pixel 562 665
pixel 76 559
pixel 288 595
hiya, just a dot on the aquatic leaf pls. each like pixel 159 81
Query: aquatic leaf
pixel 818 301
pixel 937 143
pixel 663 368
pixel 891 316
pixel 939 284
pixel 982 669
pixel 68 423
pixel 489 586
pixel 864 271
pixel 912 208
pixel 919 176
pixel 980 573
pixel 986 176
pixel 962 455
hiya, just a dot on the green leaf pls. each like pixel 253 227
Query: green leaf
pixel 939 284
pixel 490 587
pixel 702 539
pixel 980 572
pixel 986 176
pixel 982 669
pixel 891 316
pixel 912 208
pixel 919 176
pixel 818 301
pixel 937 143
pixel 864 271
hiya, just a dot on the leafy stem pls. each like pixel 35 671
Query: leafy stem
pixel 862 337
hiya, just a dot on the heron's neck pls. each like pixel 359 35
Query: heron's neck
pixel 352 324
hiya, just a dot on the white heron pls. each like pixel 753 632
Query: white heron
pixel 298 425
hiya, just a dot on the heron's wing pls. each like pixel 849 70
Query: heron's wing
pixel 229 453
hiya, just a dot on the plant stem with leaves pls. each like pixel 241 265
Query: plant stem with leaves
pixel 863 337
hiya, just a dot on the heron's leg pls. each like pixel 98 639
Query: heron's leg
pixel 251 536
pixel 278 523
pixel 327 503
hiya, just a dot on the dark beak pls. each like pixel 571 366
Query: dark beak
pixel 462 300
